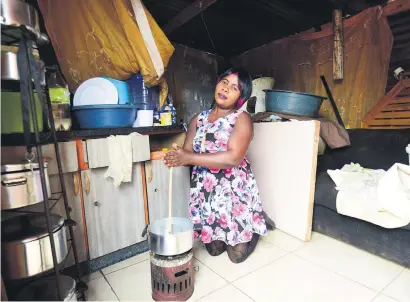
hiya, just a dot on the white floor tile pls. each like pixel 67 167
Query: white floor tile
pixel 399 289
pixel 92 276
pixel 99 290
pixel 128 262
pixel 294 279
pixel 383 298
pixel 353 263
pixel 134 282
pixel 225 294
pixel 263 254
pixel 286 241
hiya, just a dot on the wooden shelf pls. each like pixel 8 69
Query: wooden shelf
pixel 17 139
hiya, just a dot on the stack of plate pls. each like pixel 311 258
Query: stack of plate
pixel 103 103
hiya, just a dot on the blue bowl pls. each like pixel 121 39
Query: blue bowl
pixel 105 116
pixel 293 103
pixel 123 91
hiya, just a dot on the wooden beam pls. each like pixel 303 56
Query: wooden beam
pixel 337 44
pixel 394 7
pixel 187 14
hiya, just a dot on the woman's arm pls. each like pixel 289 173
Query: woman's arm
pixel 237 147
pixel 189 139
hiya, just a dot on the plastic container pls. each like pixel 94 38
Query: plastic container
pixel 11 117
pixel 141 96
pixel 293 103
pixel 408 151
pixel 61 116
pixel 58 89
pixel 105 116
pixel 145 118
pixel 123 91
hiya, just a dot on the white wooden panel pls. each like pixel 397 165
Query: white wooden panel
pixel 68 153
pixel 115 216
pixel 97 150
pixel 157 189
pixel 283 157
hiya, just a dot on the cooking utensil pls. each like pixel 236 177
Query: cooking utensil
pixel 21 186
pixel 17 13
pixel 26 248
pixel 171 236
pixel 293 103
pixel 46 290
pixel 9 69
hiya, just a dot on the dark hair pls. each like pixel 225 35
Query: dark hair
pixel 244 81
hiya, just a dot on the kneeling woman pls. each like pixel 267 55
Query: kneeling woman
pixel 224 197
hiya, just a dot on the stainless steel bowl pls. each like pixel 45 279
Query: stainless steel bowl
pixel 26 247
pixel 178 241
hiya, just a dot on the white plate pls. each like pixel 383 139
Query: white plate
pixel 96 91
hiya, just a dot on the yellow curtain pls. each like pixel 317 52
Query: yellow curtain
pixel 102 38
pixel 297 63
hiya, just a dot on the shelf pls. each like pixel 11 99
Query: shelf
pixel 17 139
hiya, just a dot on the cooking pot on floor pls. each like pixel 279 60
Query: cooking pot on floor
pixel 20 187
pixel 46 290
pixel 179 240
pixel 26 247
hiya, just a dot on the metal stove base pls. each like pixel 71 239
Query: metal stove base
pixel 172 278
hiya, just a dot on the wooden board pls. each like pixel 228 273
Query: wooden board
pixel 283 157
pixel 157 188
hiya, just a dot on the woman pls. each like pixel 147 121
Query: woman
pixel 224 197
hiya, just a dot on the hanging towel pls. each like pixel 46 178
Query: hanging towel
pixel 376 196
pixel 120 158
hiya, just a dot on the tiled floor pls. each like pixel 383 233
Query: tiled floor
pixel 282 268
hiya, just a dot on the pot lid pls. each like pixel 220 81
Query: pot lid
pixel 28 227
pixel 46 290
pixel 19 167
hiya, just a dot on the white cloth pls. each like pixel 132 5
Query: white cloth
pixel 120 157
pixel 376 196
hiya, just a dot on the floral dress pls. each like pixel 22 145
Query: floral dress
pixel 225 202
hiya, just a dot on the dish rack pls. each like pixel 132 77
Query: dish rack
pixel 12 35
pixel 393 110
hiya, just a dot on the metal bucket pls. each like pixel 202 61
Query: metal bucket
pixel 178 241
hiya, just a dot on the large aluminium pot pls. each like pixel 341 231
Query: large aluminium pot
pixel 21 187
pixel 26 246
pixel 17 13
pixel 180 240
pixel 46 290
pixel 9 67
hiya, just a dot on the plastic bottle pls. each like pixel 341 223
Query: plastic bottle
pixel 60 101
pixel 168 113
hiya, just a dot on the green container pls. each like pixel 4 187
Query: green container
pixel 11 116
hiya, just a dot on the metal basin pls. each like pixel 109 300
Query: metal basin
pixel 293 103
pixel 176 242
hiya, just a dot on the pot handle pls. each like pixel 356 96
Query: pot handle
pixel 14 182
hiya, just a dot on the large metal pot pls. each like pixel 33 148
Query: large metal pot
pixel 9 67
pixel 21 187
pixel 178 241
pixel 26 247
pixel 46 290
pixel 17 13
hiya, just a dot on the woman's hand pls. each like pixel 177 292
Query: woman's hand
pixel 178 157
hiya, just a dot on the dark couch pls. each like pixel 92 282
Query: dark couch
pixel 374 149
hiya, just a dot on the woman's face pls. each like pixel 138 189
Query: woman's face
pixel 227 92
